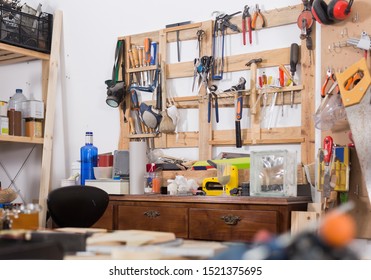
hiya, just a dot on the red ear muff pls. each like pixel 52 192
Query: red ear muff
pixel 339 9
pixel 319 12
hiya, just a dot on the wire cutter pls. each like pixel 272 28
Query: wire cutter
pixel 256 16
pixel 329 77
pixel 213 95
pixel 247 15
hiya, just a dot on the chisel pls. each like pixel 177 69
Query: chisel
pixel 282 84
pixel 135 106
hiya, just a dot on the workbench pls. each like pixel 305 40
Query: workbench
pixel 214 218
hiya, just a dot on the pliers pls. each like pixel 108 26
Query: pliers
pixel 213 95
pixel 329 77
pixel 257 14
pixel 247 15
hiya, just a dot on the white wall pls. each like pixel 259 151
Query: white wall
pixel 90 30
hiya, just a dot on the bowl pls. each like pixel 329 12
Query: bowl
pixel 103 172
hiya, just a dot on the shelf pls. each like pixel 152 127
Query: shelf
pixel 141 69
pixel 143 135
pixel 21 139
pixel 11 54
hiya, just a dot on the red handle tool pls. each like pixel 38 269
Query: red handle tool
pixel 328 143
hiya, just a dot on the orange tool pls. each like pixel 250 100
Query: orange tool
pixel 329 77
pixel 257 16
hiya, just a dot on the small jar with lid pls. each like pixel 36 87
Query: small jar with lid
pixel 34 127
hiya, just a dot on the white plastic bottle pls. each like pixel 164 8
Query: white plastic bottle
pixel 15 105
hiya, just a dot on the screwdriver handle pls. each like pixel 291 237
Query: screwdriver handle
pixel 282 77
pixel 135 56
pixel 147 51
pixel 294 58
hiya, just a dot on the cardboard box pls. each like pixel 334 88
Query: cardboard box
pixel 110 186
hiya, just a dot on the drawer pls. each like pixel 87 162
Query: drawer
pixel 156 218
pixel 106 221
pixel 230 225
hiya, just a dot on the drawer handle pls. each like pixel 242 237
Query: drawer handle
pixel 152 214
pixel 230 219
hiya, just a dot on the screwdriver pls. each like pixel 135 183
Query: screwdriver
pixel 282 84
pixel 294 57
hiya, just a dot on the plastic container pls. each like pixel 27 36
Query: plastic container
pixel 89 158
pixel 152 182
pixel 15 102
pixel 33 127
pixel 16 124
pixel 33 109
pixel 75 170
pixel 31 30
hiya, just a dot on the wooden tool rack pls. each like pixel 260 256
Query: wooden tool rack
pixel 207 137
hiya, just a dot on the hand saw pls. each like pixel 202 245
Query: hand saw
pixel 357 103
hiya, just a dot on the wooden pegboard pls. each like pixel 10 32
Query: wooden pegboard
pixel 338 55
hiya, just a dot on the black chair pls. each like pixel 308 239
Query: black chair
pixel 77 206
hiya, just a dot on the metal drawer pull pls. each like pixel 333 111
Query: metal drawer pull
pixel 152 214
pixel 230 219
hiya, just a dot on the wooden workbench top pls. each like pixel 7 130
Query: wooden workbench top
pixel 212 199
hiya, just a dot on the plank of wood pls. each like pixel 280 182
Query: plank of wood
pixel 49 117
pixel 308 102
pixel 301 220
pixel 25 52
pixel 271 58
pixel 130 237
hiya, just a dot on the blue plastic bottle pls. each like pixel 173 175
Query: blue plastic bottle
pixel 89 158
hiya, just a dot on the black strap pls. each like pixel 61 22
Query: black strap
pixel 120 50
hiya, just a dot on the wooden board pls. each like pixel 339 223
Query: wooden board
pixel 130 238
pixel 49 117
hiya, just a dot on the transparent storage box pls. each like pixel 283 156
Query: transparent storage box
pixel 273 173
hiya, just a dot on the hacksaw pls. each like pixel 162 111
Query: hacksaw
pixel 357 103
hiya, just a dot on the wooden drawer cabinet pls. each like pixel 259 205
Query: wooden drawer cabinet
pixel 106 220
pixel 167 219
pixel 224 225
pixel 202 217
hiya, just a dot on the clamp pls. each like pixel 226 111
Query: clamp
pixel 213 95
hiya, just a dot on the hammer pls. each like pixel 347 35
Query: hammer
pixel 253 64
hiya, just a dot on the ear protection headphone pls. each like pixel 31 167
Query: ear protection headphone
pixel 327 14
pixel 339 9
